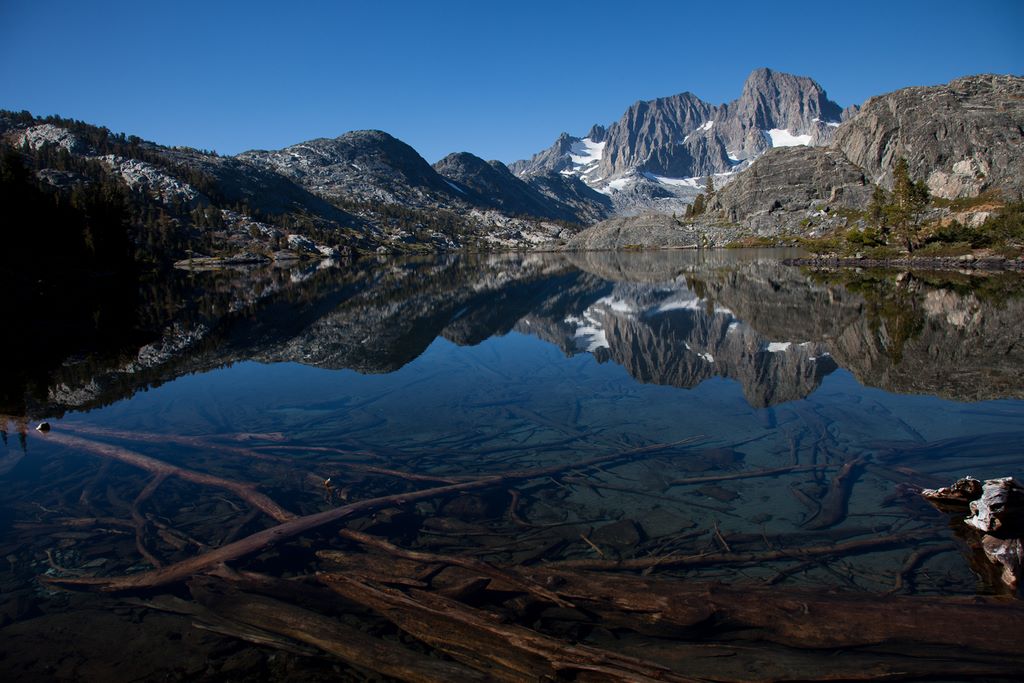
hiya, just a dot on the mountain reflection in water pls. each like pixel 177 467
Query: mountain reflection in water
pixel 667 318
pixel 811 404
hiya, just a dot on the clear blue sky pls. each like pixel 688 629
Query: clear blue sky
pixel 499 79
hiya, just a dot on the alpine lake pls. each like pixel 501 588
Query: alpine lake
pixel 671 466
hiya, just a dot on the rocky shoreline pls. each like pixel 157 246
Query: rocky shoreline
pixel 965 262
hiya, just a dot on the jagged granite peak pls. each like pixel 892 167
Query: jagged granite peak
pixel 554 159
pixel 648 126
pixel 364 164
pixel 772 99
pixel 774 103
pixel 597 133
pixel 962 138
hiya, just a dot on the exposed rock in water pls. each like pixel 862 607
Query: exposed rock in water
pixel 621 535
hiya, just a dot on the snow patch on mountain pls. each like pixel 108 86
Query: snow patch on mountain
pixel 706 126
pixel 586 152
pixel 780 137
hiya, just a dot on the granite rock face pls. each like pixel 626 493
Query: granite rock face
pixel 780 190
pixel 649 230
pixel 962 138
pixel 551 160
pixel 789 180
pixel 490 183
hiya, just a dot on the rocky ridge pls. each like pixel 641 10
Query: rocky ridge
pixel 363 191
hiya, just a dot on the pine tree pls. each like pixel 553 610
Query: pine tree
pixel 909 201
pixel 878 210
pixel 697 208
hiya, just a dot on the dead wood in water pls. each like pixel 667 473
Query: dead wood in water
pixel 244 490
pixel 915 559
pixel 798 618
pixel 749 474
pixel 468 563
pixel 713 558
pixel 140 521
pixel 298 525
pixel 833 505
pixel 390 658
pixel 506 652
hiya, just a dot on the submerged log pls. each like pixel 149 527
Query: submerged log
pixel 390 658
pixel 244 490
pixel 748 474
pixel 714 558
pixel 799 618
pixel 504 652
pixel 833 505
pixel 478 566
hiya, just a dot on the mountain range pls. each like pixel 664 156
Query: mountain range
pixel 665 147
pixel 786 158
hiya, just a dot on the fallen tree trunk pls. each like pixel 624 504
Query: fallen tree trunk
pixel 704 559
pixel 798 618
pixel 469 563
pixel 390 658
pixel 833 505
pixel 748 474
pixel 505 652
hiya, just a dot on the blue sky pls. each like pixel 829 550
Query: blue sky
pixel 498 79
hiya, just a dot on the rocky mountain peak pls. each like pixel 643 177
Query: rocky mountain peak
pixel 772 99
pixel 597 133
pixel 368 165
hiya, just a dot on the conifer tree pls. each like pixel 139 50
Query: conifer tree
pixel 909 201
